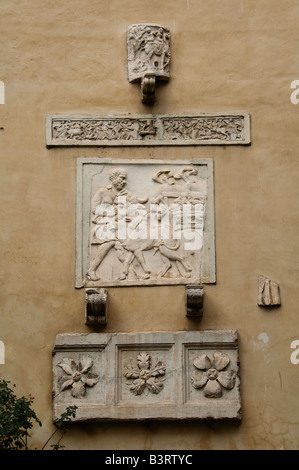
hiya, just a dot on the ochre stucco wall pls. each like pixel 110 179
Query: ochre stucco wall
pixel 232 55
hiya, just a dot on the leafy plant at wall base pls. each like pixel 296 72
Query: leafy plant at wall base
pixel 17 417
pixel 61 426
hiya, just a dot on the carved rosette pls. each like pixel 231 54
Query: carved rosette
pixel 146 374
pixel 213 375
pixel 77 376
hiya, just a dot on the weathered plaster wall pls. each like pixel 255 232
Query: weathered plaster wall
pixel 232 55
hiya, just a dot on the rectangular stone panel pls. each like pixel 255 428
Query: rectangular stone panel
pixel 190 375
pixel 145 222
pixel 148 129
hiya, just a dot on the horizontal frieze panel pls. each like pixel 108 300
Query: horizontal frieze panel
pixel 148 129
pixel 138 376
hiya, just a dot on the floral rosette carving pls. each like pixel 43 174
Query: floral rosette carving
pixel 146 376
pixel 78 376
pixel 212 374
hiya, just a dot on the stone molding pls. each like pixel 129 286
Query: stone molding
pixel 148 129
pixel 185 375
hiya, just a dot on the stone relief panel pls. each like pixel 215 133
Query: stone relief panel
pixel 210 374
pixel 146 374
pixel 148 51
pixel 79 374
pixel 148 129
pixel 148 57
pixel 137 376
pixel 145 223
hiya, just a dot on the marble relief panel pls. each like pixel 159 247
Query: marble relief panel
pixel 148 130
pixel 138 376
pixel 145 223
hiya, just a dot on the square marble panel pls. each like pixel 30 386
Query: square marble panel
pixel 145 222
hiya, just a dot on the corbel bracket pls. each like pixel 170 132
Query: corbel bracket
pixel 96 301
pixel 148 57
pixel 148 87
pixel 194 300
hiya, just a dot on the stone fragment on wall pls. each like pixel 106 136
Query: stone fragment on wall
pixel 268 292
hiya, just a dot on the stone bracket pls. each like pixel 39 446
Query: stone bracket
pixel 148 86
pixel 194 300
pixel 96 306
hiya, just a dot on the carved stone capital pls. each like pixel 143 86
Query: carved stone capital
pixel 148 57
pixel 96 306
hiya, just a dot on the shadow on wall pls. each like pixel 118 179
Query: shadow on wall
pixel 149 435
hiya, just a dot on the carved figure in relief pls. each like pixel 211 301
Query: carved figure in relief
pixel 106 200
pixel 132 130
pixel 167 249
pixel 203 129
pixel 147 128
pixel 101 129
pixel 121 221
pixel 148 50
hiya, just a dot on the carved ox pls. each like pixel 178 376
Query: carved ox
pixel 129 250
